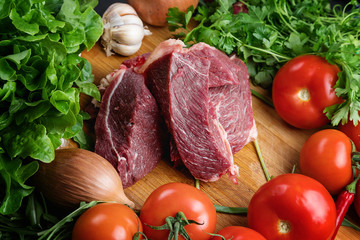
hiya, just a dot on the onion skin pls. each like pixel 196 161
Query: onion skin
pixel 77 175
pixel 155 12
pixel 67 143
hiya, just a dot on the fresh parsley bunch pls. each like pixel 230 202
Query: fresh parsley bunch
pixel 275 31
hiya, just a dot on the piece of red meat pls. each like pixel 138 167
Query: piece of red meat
pixel 230 94
pixel 223 71
pixel 179 82
pixel 226 116
pixel 129 128
pixel 234 114
pixel 136 62
pixel 164 48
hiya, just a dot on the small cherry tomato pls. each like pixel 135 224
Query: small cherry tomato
pixel 353 132
pixel 302 88
pixel 110 221
pixel 326 157
pixel 169 199
pixel 238 233
pixel 292 206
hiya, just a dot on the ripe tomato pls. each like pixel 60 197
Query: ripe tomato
pixel 302 88
pixel 292 206
pixel 353 132
pixel 171 198
pixel 326 157
pixel 238 233
pixel 107 221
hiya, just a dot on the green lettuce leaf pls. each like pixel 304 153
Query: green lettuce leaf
pixel 13 176
pixel 41 78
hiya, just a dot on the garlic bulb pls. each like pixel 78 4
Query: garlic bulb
pixel 123 30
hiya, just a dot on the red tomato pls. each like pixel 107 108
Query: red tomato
pixel 302 88
pixel 238 233
pixel 353 132
pixel 171 198
pixel 326 157
pixel 107 221
pixel 292 206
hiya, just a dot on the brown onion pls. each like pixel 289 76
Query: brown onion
pixel 67 143
pixel 155 12
pixel 78 175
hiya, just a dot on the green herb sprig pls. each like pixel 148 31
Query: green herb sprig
pixel 40 223
pixel 275 31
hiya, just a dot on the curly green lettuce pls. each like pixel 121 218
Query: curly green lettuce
pixel 41 78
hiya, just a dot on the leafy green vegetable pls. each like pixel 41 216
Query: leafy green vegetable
pixel 41 78
pixel 178 19
pixel 65 224
pixel 274 31
pixel 41 223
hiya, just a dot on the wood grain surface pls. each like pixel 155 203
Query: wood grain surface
pixel 280 145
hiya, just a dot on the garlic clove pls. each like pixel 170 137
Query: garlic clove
pixel 132 19
pixel 128 34
pixel 125 50
pixel 107 46
pixel 116 20
pixel 119 8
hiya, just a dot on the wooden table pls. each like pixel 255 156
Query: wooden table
pixel 280 145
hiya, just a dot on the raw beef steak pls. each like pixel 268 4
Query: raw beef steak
pixel 179 82
pixel 230 95
pixel 163 49
pixel 222 70
pixel 136 62
pixel 128 128
pixel 235 113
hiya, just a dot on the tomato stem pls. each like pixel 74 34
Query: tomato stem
pixel 176 225
pixel 197 184
pixel 304 94
pixel 284 227
pixel 355 156
pixel 217 235
pixel 261 160
pixel 176 230
pixel 232 210
pixel 138 234
pixel 352 186
pixel 262 97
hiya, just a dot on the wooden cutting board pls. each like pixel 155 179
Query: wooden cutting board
pixel 280 145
